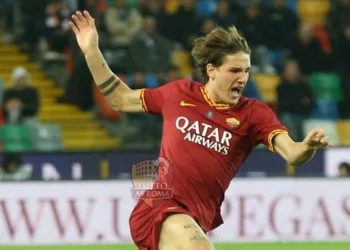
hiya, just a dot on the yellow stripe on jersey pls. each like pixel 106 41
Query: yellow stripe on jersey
pixel 273 134
pixel 210 102
pixel 142 99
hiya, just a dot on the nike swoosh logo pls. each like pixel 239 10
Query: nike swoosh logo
pixel 171 208
pixel 184 104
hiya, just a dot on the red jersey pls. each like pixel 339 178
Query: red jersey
pixel 206 143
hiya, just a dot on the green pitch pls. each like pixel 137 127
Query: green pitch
pixel 272 246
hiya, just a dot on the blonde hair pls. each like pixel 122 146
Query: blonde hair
pixel 215 46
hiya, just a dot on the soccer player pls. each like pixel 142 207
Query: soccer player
pixel 209 130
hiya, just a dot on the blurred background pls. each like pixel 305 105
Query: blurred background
pixel 53 115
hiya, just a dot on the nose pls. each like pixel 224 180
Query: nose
pixel 243 78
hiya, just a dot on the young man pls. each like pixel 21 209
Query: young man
pixel 209 130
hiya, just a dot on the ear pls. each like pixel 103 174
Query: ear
pixel 211 71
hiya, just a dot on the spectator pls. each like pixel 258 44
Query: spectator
pixel 122 24
pixel 139 80
pixel 173 73
pixel 252 25
pixel 33 21
pixel 282 23
pixel 307 50
pixel 206 25
pixel 57 26
pixel 223 15
pixel 12 169
pixel 6 11
pixel 156 9
pixel 344 169
pixel 295 100
pixel 342 60
pixel 338 18
pixel 150 52
pixel 196 76
pixel 185 23
pixel 251 90
pixel 78 90
pixel 98 12
pixel 342 52
pixel 21 101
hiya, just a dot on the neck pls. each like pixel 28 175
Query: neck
pixel 211 92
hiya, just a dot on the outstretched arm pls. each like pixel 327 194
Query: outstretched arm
pixel 299 153
pixel 118 94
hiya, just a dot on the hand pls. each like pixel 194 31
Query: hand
pixel 316 139
pixel 85 31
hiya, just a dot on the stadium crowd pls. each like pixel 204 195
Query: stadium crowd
pixel 141 38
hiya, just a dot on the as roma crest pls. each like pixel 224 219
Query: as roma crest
pixel 232 122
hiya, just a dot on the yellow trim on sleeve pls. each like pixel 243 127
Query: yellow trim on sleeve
pixel 142 99
pixel 273 134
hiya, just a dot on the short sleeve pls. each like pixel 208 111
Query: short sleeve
pixel 266 125
pixel 153 100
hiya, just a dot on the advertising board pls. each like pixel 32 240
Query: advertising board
pixel 255 210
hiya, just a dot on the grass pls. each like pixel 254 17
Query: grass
pixel 243 246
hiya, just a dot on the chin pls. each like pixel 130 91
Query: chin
pixel 233 101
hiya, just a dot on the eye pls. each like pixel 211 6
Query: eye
pixel 235 70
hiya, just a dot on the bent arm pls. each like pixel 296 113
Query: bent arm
pixel 118 94
pixel 295 153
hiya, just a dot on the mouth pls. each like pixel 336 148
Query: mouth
pixel 236 91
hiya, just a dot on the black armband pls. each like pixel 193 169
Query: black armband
pixel 109 86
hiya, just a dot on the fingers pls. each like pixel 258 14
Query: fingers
pixel 80 20
pixel 318 136
pixel 315 135
pixel 74 27
pixel 80 17
pixel 324 140
pixel 319 133
pixel 89 19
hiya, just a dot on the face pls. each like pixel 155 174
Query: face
pixel 208 25
pixel 91 2
pixel 291 71
pixel 119 4
pixel 149 25
pixel 11 168
pixel 343 171
pixel 139 78
pixel 252 11
pixel 279 3
pixel 21 82
pixel 57 6
pixel 228 80
pixel 223 7
pixel 154 5
pixel 305 32
pixel 188 4
pixel 173 75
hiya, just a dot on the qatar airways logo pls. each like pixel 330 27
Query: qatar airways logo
pixel 204 134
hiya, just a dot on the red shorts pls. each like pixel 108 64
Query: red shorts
pixel 146 222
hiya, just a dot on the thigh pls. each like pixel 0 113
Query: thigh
pixel 181 232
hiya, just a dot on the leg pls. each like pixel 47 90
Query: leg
pixel 181 232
